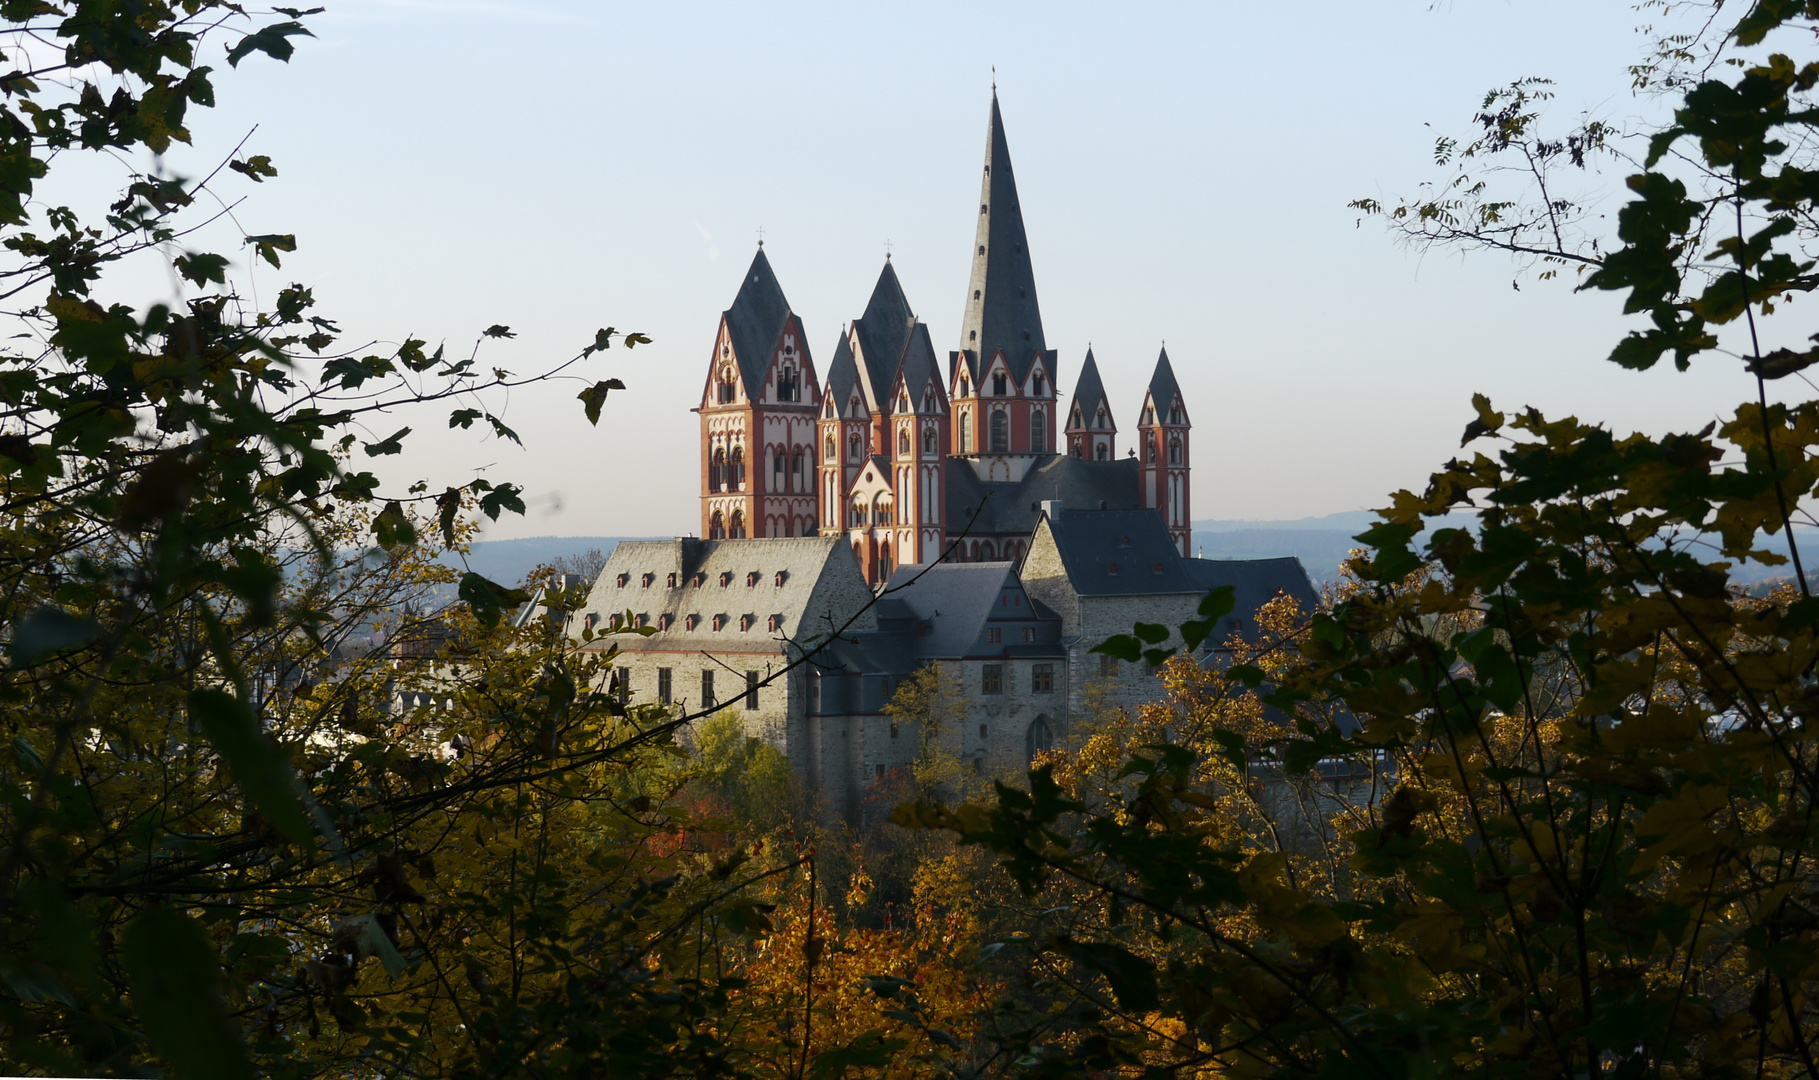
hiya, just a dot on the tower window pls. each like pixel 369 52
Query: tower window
pixel 973 335
pixel 982 208
pixel 976 291
pixel 1001 432
pixel 998 385
pixel 903 443
pixel 1174 451
pixel 981 249
pixel 1038 432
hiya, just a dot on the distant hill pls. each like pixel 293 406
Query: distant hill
pixel 507 561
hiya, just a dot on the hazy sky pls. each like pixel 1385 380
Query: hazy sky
pixel 1184 172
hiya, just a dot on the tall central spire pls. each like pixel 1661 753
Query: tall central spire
pixel 1001 310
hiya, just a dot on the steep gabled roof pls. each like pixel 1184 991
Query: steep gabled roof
pixel 955 598
pixel 919 367
pixel 884 331
pixel 1012 507
pixel 1089 394
pixel 1005 316
pixel 842 376
pixel 756 321
pixel 1163 387
pixel 1120 553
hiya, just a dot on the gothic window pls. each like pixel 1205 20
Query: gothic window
pixel 1099 420
pixel 928 401
pixel 903 442
pixel 1038 432
pixel 738 527
pixel 1150 449
pixel 859 511
pixel 903 403
pixel 1001 432
pixel 795 468
pixel 964 386
pixel 727 392
pixel 1104 453
pixel 716 470
pixel 1174 413
pixel 884 561
pixel 831 449
pixel 966 431
pixel 1174 451
pixel 854 448
pixel 1073 447
pixel 881 511
pixel 1036 387
pixel 788 388
pixel 1038 738
pixel 1149 415
pixel 999 386
pixel 928 440
pixel 777 471
pixel 736 470
pixel 716 528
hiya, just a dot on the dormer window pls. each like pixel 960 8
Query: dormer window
pixel 645 582
pixel 1124 541
pixel 665 621
pixel 751 579
pixel 726 578
pixel 782 576
pixel 700 578
pixel 774 624
pixel 623 579
pixel 1111 569
pixel 672 579
pixel 719 623
pixel 691 622
pixel 746 622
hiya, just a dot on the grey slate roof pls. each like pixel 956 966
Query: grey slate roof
pixel 1254 583
pixel 1012 508
pixel 955 598
pixel 1089 394
pixel 1120 553
pixel 920 366
pixel 1006 315
pixel 756 321
pixel 842 376
pixel 1164 389
pixel 884 331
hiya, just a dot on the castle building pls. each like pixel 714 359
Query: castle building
pixel 895 515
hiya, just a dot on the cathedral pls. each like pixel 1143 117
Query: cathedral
pixel 911 464
pixel 861 524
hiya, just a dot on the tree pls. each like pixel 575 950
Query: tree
pixel 1595 857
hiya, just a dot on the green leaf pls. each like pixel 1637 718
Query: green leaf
pixel 175 984
pixel 448 506
pixel 48 630
pixel 488 598
pixel 258 763
pixel 1120 646
pixel 370 939
pixel 1132 978
pixel 1219 603
pixel 392 528
pixel 256 168
pixel 498 330
pixel 273 40
pixel 270 244
pixel 392 445
pixel 202 268
pixel 595 396
pixel 464 418
pixel 1151 633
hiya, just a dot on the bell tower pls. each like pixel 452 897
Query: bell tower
pixel 758 418
pixel 1162 454
pixel 1092 434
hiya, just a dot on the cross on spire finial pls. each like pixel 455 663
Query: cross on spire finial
pixel 994 78
pixel 887 251
pixel 760 236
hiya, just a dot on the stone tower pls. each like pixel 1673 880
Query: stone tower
pixel 1162 430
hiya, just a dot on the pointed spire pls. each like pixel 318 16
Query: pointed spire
pixel 1089 396
pixel 756 320
pixel 1164 391
pixel 884 331
pixel 1001 309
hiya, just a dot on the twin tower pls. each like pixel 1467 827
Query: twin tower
pixel 912 464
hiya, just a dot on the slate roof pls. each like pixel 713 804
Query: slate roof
pixel 955 598
pixel 1006 315
pixel 756 321
pixel 1163 387
pixel 1089 394
pixel 920 365
pixel 884 331
pixel 1120 553
pixel 842 376
pixel 1254 582
pixel 1012 508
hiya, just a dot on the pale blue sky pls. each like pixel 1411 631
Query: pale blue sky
pixel 1184 171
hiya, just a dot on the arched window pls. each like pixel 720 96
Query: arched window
pixel 788 389
pixel 1073 447
pixel 986 554
pixel 1103 453
pixel 1038 738
pixel 1001 432
pixel 832 448
pixel 727 393
pixel 859 510
pixel 881 510
pixel 1149 449
pixel 903 443
pixel 716 528
pixel 737 532
pixel 736 467
pixel 964 386
pixel 884 561
pixel 1174 413
pixel 1038 432
pixel 716 470
pixel 1174 451
pixel 966 431
pixel 777 471
pixel 928 440
pixel 999 387
pixel 854 448
pixel 795 469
